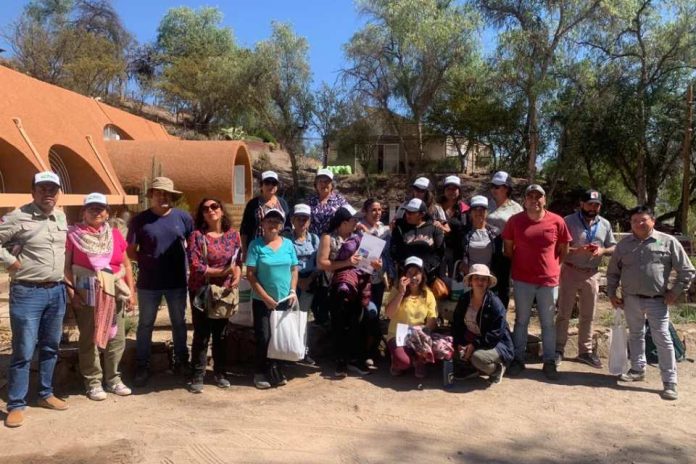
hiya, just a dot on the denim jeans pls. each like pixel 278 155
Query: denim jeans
pixel 655 310
pixel 148 304
pixel 546 306
pixel 36 318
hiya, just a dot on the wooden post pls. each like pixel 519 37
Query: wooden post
pixel 686 160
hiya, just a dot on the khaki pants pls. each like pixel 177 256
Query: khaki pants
pixel 90 367
pixel 572 281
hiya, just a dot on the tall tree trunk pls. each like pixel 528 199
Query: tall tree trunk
pixel 419 130
pixel 295 175
pixel 325 152
pixel 532 136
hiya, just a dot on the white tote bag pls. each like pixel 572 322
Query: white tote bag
pixel 288 334
pixel 618 351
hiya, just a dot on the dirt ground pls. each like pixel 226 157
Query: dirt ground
pixel 584 417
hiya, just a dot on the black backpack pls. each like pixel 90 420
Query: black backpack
pixel 651 349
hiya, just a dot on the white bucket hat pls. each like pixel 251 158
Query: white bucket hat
pixel 480 270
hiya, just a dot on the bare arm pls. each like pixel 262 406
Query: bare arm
pixel 130 281
pixel 132 252
pixel 258 288
pixel 323 261
pixel 562 251
pixel 508 247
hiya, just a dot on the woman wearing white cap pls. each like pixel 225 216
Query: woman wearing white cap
pixel 421 189
pixel 323 204
pixel 480 332
pixel 101 289
pixel 412 303
pixel 455 210
pixel 250 228
pixel 503 206
pixel 481 243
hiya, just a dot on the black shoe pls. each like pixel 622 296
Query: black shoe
pixel 358 367
pixel 196 385
pixel 341 370
pixel 141 377
pixel 516 368
pixel 590 359
pixel 550 371
pixel 182 368
pixel 307 361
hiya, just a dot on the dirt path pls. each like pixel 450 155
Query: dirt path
pixel 583 418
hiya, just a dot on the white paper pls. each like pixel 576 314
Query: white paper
pixel 371 250
pixel 401 332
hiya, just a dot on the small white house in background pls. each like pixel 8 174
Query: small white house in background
pixel 375 138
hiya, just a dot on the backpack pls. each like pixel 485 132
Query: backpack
pixel 651 349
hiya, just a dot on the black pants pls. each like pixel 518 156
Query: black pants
pixel 320 304
pixel 502 288
pixel 203 329
pixel 346 330
pixel 262 333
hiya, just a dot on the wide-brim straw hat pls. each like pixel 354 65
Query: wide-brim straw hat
pixel 165 184
pixel 480 270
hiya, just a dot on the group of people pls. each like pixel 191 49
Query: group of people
pixel 309 256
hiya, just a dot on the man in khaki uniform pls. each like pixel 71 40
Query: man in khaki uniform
pixel 32 240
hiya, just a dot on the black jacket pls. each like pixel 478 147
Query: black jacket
pixel 425 241
pixel 250 222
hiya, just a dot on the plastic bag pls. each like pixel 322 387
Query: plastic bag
pixel 618 352
pixel 288 334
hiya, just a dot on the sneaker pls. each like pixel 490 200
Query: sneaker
pixel 221 381
pixel 516 368
pixel 119 389
pixel 141 377
pixel 307 361
pixel 632 376
pixel 358 368
pixel 370 364
pixel 196 385
pixel 52 402
pixel 497 375
pixel 550 371
pixel 341 370
pixel 558 358
pixel 261 382
pixel 590 359
pixel 670 391
pixel 283 381
pixel 15 418
pixel 96 394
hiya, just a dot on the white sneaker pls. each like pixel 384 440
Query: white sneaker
pixel 96 394
pixel 119 389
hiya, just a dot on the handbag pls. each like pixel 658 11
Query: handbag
pixel 217 301
pixel 439 289
pixel 618 353
pixel 244 314
pixel 288 334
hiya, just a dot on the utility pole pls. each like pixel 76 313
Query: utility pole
pixel 686 159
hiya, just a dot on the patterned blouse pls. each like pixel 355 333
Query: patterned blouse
pixel 323 212
pixel 221 251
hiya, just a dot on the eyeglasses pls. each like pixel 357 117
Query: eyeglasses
pixel 211 207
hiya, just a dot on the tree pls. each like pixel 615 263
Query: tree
pixel 281 93
pixel 402 57
pixel 331 113
pixel 535 32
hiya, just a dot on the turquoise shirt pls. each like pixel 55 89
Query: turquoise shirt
pixel 273 268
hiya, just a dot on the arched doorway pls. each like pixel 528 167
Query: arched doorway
pixel 76 175
pixel 16 171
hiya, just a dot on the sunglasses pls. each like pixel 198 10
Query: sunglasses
pixel 211 207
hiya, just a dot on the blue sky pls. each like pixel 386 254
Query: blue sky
pixel 327 24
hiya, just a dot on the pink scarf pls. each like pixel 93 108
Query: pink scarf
pixel 97 245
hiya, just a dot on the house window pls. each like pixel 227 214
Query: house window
pixel 112 132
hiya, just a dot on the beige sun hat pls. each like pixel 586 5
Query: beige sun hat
pixel 480 270
pixel 165 184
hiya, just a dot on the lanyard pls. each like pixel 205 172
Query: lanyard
pixel 590 233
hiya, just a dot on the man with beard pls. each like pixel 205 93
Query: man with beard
pixel 592 239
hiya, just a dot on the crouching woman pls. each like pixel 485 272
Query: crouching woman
pixel 411 303
pixel 482 339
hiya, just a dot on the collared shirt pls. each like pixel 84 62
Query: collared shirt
pixel 41 238
pixel 498 216
pixel 600 233
pixel 643 267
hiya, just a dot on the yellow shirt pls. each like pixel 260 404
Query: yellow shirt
pixel 412 310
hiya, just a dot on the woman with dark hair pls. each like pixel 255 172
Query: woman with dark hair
pixel 214 250
pixel 455 210
pixel 412 303
pixel 421 189
pixel 349 291
pixel 250 228
pixel 96 254
pixel 323 203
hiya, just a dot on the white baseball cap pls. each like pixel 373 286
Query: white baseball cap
pixel 413 261
pixel 325 172
pixel 265 175
pixel 353 212
pixel 415 205
pixel 302 209
pixel 274 212
pixel 478 201
pixel 47 176
pixel 535 188
pixel 95 198
pixel 422 183
pixel 501 178
pixel 453 180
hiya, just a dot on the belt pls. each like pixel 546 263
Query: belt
pixel 647 297
pixel 28 283
pixel 584 269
